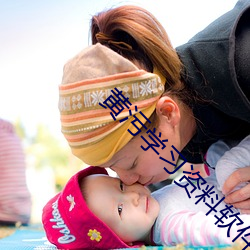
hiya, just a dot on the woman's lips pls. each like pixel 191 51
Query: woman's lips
pixel 148 182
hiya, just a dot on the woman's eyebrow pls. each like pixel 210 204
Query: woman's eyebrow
pixel 115 162
pixel 133 166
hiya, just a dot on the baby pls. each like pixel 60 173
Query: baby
pixel 96 211
pixel 70 223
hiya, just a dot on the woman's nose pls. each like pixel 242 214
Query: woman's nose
pixel 126 177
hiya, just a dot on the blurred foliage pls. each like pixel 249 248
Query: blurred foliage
pixel 45 150
pixel 20 130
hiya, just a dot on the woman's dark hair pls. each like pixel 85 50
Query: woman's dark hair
pixel 137 35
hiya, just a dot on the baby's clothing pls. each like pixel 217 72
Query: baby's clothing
pixel 228 157
pixel 201 220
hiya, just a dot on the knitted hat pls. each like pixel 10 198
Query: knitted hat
pixel 69 223
pixel 93 130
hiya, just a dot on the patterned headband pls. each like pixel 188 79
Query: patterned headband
pixel 100 95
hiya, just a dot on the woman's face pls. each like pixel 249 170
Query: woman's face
pixel 133 164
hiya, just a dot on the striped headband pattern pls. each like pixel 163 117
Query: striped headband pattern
pixel 93 134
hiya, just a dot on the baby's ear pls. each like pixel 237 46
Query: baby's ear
pixel 168 110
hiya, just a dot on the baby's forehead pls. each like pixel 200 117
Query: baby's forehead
pixel 95 182
pixel 95 176
pixel 98 178
pixel 98 184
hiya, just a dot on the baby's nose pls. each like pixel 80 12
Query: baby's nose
pixel 133 197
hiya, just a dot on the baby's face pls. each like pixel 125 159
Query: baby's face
pixel 130 211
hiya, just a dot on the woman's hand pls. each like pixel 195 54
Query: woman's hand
pixel 240 198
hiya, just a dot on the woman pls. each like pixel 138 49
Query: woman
pixel 206 95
